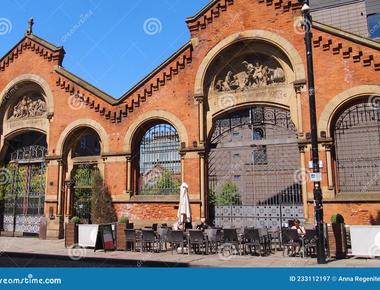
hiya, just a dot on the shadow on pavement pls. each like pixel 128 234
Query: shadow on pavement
pixel 9 259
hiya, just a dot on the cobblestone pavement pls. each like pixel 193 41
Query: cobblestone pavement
pixel 32 252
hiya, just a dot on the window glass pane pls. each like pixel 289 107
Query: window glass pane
pixel 160 161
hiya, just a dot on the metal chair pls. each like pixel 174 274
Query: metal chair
pixel 176 239
pixel 310 243
pixel 149 240
pixel 251 239
pixel 162 236
pixel 230 237
pixel 214 237
pixel 290 241
pixel 265 240
pixel 197 241
pixel 131 239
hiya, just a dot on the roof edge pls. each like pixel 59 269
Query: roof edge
pixel 156 70
pixel 38 40
pixel 44 42
pixel 347 35
pixel 201 12
pixel 86 85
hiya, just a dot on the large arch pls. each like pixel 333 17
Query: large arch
pixel 83 123
pixel 262 35
pixel 328 113
pixel 30 78
pixel 150 116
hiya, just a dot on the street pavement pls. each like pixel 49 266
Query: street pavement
pixel 32 252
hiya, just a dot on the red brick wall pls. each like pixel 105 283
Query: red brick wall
pixel 176 97
pixel 144 214
pixel 354 213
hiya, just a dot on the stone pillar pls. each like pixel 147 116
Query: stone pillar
pixel 298 88
pixel 129 176
pixel 182 167
pixel 53 198
pixel 201 118
pixel 203 185
pixel 202 129
pixel 330 181
pixel 304 171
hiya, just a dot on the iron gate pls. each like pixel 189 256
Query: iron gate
pixel 357 139
pixel 25 190
pixel 82 187
pixel 253 166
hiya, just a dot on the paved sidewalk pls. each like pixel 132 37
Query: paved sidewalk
pixel 12 251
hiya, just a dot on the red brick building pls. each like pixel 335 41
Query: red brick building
pixel 232 109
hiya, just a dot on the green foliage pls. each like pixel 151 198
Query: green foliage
pixel 84 176
pixel 337 219
pixel 124 220
pixel 166 184
pixel 228 195
pixel 102 211
pixel 75 220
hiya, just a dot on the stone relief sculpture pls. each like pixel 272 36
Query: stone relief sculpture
pixel 253 76
pixel 27 107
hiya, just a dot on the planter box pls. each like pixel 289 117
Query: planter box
pixel 71 235
pixel 120 237
pixel 337 240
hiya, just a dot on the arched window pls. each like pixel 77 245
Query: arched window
pixel 357 148
pixel 159 161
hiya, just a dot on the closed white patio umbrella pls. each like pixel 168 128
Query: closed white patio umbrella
pixel 184 210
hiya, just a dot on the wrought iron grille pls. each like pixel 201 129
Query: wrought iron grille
pixel 357 151
pixel 252 166
pixel 25 191
pixel 160 161
pixel 83 188
pixel 33 153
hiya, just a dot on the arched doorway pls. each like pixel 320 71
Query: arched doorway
pixel 356 147
pixel 253 162
pixel 23 186
pixel 82 152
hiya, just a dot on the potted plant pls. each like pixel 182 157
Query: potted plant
pixel 337 237
pixel 120 233
pixel 71 232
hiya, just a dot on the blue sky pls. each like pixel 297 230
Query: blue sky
pixel 112 44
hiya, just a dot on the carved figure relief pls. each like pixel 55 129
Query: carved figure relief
pixel 252 76
pixel 27 107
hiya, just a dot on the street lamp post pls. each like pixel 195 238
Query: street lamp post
pixel 317 191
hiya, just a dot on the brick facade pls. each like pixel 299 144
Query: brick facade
pixel 342 62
